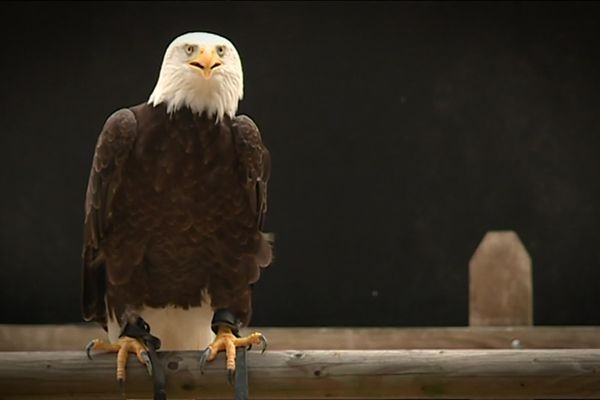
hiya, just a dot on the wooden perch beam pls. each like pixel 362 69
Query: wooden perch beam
pixel 76 336
pixel 416 374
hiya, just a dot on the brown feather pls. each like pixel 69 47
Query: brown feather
pixel 174 206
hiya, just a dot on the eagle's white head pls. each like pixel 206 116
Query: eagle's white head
pixel 202 71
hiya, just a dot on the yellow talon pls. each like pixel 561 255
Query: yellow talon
pixel 123 347
pixel 228 342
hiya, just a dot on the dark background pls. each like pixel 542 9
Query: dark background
pixel 400 134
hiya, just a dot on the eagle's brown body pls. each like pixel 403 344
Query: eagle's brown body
pixel 174 207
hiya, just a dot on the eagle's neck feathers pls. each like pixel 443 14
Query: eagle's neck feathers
pixel 218 96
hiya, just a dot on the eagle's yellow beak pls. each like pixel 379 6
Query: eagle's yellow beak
pixel 207 60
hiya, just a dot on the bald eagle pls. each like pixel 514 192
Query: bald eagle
pixel 174 209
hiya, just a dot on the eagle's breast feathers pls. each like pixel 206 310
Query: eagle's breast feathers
pixel 174 209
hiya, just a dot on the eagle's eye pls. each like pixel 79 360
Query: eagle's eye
pixel 189 49
pixel 220 50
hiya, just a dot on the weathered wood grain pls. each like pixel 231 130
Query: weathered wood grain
pixel 76 336
pixel 400 374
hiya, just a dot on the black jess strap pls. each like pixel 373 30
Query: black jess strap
pixel 141 330
pixel 224 317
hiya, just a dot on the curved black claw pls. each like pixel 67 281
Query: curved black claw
pixel 264 343
pixel 230 376
pixel 89 347
pixel 204 358
pixel 121 383
pixel 147 362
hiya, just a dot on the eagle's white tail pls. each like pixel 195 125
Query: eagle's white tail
pixel 177 329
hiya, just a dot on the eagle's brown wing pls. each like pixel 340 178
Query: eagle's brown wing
pixel 112 150
pixel 255 164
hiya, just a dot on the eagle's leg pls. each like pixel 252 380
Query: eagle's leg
pixel 228 340
pixel 123 347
